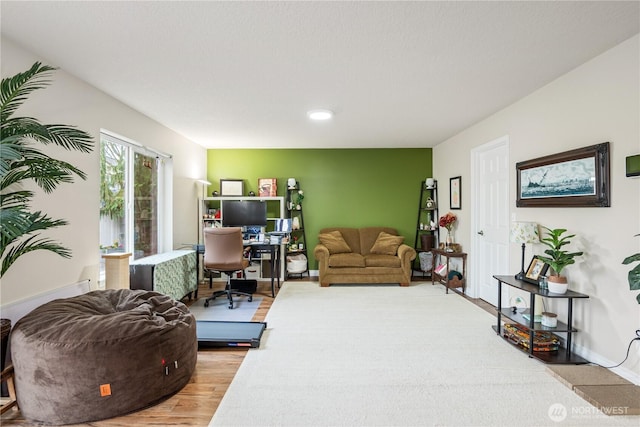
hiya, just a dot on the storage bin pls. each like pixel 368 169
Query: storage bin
pixel 252 272
pixel 426 261
pixel 297 263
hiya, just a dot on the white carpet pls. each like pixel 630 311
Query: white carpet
pixel 243 310
pixel 392 356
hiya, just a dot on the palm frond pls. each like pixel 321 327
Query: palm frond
pixel 46 171
pixel 67 137
pixel 21 161
pixel 32 244
pixel 15 198
pixel 15 89
pixel 8 153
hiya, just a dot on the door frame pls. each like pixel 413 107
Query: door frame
pixel 474 290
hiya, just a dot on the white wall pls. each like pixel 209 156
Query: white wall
pixel 71 101
pixel 596 102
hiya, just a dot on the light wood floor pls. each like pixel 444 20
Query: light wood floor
pixel 196 403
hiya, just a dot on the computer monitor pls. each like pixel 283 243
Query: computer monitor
pixel 242 213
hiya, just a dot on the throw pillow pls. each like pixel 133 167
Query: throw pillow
pixel 387 244
pixel 334 242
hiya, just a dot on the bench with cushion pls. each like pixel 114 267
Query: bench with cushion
pixel 363 255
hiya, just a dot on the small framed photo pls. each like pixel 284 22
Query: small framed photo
pixel 455 193
pixel 231 187
pixel 537 268
pixel 267 187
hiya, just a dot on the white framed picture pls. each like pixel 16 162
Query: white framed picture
pixel 231 187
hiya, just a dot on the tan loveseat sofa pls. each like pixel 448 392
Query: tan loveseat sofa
pixel 363 255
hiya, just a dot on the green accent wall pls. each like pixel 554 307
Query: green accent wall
pixel 342 187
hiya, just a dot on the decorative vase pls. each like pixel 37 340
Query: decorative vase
pixel 557 284
pixel 449 238
pixel 295 223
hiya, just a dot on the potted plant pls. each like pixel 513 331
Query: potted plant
pixel 558 258
pixel 299 198
pixel 634 273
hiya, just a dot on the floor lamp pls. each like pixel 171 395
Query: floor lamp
pixel 524 232
pixel 205 184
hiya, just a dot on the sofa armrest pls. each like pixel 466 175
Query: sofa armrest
pixel 321 254
pixel 406 254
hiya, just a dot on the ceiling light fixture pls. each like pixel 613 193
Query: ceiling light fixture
pixel 320 114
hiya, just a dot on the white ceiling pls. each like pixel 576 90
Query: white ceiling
pixel 243 74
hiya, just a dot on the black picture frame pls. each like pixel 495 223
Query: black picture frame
pixel 231 187
pixel 574 178
pixel 455 192
pixel 537 268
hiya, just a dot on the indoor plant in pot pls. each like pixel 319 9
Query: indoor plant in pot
pixel 558 258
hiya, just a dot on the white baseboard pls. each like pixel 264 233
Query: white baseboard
pixel 17 309
pixel 603 361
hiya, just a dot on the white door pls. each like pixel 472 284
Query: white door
pixel 490 227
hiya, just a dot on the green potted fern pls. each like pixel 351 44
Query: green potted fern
pixel 558 258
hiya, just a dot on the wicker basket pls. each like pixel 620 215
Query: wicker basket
pixel 5 330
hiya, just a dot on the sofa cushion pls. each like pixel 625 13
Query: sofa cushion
pixel 369 235
pixel 349 234
pixel 350 259
pixel 377 260
pixel 334 242
pixel 386 244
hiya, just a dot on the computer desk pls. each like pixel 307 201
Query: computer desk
pixel 257 247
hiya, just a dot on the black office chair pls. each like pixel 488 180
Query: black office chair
pixel 223 252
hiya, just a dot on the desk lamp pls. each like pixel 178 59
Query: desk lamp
pixel 524 232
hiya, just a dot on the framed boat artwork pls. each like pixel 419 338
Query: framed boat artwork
pixel 575 178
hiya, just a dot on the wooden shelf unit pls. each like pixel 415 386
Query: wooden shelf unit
pixel 427 212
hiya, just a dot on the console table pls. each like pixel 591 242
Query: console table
pixel 562 355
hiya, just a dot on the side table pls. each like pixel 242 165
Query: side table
pixel 444 278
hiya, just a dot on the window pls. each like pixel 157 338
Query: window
pixel 132 190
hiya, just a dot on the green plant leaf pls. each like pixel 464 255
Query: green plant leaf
pixel 634 274
pixel 634 278
pixel 16 89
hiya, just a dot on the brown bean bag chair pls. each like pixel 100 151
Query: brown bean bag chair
pixel 101 354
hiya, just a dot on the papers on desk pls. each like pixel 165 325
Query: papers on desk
pixel 275 239
pixel 282 226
